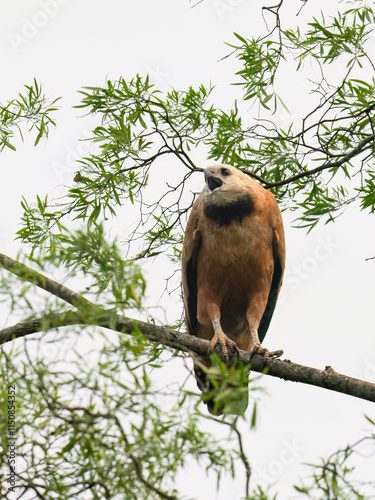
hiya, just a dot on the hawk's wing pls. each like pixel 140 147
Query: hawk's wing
pixel 277 279
pixel 190 252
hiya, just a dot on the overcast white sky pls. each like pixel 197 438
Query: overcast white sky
pixel 325 314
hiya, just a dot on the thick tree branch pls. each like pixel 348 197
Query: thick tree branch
pixel 90 314
pixel 285 369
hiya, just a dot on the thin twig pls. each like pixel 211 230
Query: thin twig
pixel 361 146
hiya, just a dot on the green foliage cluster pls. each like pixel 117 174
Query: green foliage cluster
pixel 31 107
pixel 105 431
pixel 316 164
pixel 333 477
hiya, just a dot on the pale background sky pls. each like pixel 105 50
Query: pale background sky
pixel 325 314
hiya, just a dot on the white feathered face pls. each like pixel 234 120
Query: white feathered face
pixel 224 184
pixel 227 195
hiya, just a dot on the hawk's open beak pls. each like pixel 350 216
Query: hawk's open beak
pixel 212 181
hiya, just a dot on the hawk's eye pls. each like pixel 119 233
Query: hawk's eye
pixel 225 172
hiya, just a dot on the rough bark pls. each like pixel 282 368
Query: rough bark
pixel 88 313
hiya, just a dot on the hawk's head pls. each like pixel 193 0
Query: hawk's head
pixel 227 194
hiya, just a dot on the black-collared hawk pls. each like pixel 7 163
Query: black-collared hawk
pixel 233 261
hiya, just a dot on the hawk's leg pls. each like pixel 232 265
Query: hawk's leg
pixel 258 349
pixel 224 342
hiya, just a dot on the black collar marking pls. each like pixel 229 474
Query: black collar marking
pixel 226 214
